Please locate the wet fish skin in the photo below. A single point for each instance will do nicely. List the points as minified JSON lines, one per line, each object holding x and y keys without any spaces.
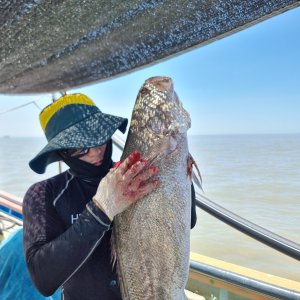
{"x":152,"y":237}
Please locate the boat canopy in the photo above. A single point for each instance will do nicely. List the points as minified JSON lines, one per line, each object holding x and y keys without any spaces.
{"x":50,"y":46}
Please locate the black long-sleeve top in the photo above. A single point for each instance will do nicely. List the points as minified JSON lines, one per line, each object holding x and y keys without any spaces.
{"x":67,"y":239}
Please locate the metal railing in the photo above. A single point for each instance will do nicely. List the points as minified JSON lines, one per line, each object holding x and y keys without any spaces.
{"x":259,"y":233}
{"x":258,"y":286}
{"x":11,"y":206}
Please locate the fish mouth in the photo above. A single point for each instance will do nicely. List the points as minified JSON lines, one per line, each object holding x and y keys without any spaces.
{"x":162,"y":83}
{"x":158,"y":110}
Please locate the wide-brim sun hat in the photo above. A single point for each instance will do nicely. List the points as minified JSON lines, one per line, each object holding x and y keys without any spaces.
{"x":73,"y":121}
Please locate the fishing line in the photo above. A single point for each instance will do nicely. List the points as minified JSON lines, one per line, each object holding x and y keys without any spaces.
{"x":31,"y":102}
{"x":20,"y":106}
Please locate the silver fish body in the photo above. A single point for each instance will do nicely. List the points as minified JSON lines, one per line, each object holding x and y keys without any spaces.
{"x":152,"y":237}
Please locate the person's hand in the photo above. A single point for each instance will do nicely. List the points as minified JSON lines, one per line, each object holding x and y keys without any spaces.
{"x":125,"y":184}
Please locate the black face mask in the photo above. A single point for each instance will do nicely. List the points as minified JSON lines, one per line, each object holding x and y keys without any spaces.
{"x":87,"y":171}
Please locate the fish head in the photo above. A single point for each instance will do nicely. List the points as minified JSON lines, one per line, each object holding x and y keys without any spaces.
{"x":158,"y":111}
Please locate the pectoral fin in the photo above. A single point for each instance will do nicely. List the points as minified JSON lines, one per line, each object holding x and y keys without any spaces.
{"x":195,"y":178}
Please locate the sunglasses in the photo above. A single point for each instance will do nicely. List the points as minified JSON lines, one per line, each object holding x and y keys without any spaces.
{"x":76,"y":152}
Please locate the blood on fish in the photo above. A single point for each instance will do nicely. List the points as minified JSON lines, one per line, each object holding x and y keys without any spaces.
{"x":154,"y":169}
{"x":135,"y":156}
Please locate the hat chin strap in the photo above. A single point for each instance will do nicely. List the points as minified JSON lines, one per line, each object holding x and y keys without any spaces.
{"x":87,"y":171}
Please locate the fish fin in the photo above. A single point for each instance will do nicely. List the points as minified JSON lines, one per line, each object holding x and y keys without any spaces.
{"x":162,"y":148}
{"x":113,"y":255}
{"x":195,"y":178}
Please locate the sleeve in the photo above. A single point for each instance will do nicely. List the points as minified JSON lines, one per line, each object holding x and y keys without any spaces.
{"x":52,"y":253}
{"x":193,"y":208}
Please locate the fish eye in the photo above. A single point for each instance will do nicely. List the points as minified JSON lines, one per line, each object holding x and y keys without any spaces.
{"x":144,"y":91}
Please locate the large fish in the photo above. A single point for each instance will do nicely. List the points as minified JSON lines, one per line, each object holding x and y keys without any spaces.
{"x":152,"y":237}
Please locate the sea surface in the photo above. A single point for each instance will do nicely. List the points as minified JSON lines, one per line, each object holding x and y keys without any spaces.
{"x":254,"y":176}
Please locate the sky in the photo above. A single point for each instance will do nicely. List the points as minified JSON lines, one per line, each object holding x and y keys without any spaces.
{"x":247,"y":83}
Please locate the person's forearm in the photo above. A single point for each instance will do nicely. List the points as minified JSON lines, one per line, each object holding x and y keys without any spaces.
{"x":52,"y":263}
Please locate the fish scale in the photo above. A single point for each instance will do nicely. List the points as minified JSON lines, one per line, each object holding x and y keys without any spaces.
{"x":152,"y":237}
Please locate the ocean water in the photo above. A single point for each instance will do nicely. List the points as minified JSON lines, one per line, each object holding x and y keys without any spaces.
{"x":255,"y":176}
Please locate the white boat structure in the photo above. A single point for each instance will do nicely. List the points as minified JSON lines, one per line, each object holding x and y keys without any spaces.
{"x":50,"y":46}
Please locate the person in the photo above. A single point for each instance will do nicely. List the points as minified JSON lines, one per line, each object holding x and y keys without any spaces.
{"x":68,"y":218}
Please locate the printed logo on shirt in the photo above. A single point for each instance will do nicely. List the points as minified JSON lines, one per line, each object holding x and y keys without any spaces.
{"x":74,"y":218}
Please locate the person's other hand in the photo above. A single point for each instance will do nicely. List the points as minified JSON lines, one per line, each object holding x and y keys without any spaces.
{"x":125,"y":184}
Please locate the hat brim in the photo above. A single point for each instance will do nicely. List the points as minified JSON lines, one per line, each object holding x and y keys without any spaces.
{"x":88,"y":133}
